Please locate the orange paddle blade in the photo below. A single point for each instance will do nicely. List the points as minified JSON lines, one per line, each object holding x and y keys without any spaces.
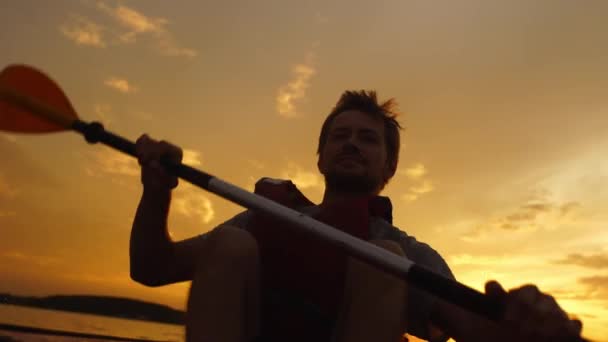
{"x":31,"y":102}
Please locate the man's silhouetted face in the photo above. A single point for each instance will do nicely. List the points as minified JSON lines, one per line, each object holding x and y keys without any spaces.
{"x":354,"y":157}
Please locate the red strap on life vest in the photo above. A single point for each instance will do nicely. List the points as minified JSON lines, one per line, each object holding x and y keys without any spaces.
{"x":305,"y":266}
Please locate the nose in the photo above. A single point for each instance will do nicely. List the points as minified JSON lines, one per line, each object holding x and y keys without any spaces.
{"x":350,"y":146}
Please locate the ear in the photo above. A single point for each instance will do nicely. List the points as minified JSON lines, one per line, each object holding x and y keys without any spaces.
{"x":390,"y":170}
{"x":319,"y":164}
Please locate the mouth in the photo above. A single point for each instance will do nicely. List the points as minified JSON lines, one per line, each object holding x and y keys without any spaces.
{"x":350,"y":159}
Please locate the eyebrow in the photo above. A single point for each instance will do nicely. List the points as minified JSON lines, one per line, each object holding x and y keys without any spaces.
{"x":369,"y":131}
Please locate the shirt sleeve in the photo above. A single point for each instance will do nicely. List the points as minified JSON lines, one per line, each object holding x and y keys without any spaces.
{"x":420,"y":302}
{"x":240,"y":220}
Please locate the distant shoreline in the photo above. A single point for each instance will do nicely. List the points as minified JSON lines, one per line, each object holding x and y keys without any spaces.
{"x":124,"y":308}
{"x":53,"y":332}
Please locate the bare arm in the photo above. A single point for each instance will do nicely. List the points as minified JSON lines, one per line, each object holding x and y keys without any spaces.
{"x":155,"y":259}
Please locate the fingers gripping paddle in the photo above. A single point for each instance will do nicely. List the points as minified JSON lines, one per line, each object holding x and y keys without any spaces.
{"x":30,"y":102}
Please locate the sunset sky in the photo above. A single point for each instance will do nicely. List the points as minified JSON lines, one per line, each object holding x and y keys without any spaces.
{"x":503,"y":167}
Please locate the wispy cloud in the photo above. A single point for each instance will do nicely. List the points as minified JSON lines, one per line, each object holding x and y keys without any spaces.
{"x":569,"y":207}
{"x":83,"y":31}
{"x":137,"y":23}
{"x":193,"y":203}
{"x":418,"y":174}
{"x":537,"y":212}
{"x":131,"y":25}
{"x":107,"y":161}
{"x":144,"y":116}
{"x":38,"y":260}
{"x":120,"y":84}
{"x":295,"y":90}
{"x":597,"y":286}
{"x":302,"y":178}
{"x":191,"y":157}
{"x":102,"y":111}
{"x":418,"y":190}
{"x":414,"y":172}
{"x":255,"y":163}
{"x":595,"y":261}
{"x":485,"y":260}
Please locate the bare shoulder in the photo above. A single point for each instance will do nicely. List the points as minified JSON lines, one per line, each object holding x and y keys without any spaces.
{"x":186,"y":252}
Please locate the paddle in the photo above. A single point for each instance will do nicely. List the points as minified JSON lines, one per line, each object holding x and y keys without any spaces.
{"x":30,"y":102}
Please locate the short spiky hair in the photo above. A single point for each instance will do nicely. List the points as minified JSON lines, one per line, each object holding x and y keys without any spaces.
{"x":367,"y":101}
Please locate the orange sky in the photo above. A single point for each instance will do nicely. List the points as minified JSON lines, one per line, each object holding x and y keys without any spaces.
{"x":503,"y":167}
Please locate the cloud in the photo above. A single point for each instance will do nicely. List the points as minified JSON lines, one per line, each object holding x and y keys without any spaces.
{"x":38,"y":260}
{"x":191,"y":157}
{"x":425,"y":187}
{"x":416,"y":191}
{"x":422,"y":185}
{"x":303,"y":179}
{"x":137,"y":23}
{"x":102,"y":112}
{"x":538,"y":212}
{"x":144,"y":116}
{"x":108,"y":161}
{"x":597,"y":286}
{"x":569,"y":207}
{"x":191,"y":202}
{"x":528,"y":212}
{"x":255,"y":163}
{"x":415,"y":172}
{"x":83,"y":31}
{"x":168,"y":47}
{"x":484,"y":260}
{"x":134,"y":20}
{"x":296,"y":88}
{"x":596,"y":261}
{"x":120,"y":84}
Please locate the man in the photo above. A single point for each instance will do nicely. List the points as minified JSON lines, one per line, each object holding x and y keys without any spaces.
{"x":358,"y":155}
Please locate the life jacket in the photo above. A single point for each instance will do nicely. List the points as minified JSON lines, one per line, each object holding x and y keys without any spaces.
{"x":302,"y":276}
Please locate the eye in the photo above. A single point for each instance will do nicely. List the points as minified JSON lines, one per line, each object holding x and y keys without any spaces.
{"x":369,"y":138}
{"x":339,"y":135}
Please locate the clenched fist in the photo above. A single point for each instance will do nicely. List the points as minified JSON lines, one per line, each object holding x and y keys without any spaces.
{"x":149,"y":154}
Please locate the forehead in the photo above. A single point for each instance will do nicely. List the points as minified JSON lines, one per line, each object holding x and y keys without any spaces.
{"x":357,"y":120}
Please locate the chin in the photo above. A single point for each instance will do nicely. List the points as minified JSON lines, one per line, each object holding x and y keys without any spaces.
{"x":349,"y":173}
{"x":350,"y":182}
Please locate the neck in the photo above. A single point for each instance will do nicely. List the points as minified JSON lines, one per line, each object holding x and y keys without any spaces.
{"x":331,"y":197}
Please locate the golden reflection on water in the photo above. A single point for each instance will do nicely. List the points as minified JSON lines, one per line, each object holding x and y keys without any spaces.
{"x":83,"y":323}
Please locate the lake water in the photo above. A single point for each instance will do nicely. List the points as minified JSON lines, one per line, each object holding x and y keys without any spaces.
{"x":82,"y":323}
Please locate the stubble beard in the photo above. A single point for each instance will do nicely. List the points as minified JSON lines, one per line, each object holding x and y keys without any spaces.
{"x":350,"y":184}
